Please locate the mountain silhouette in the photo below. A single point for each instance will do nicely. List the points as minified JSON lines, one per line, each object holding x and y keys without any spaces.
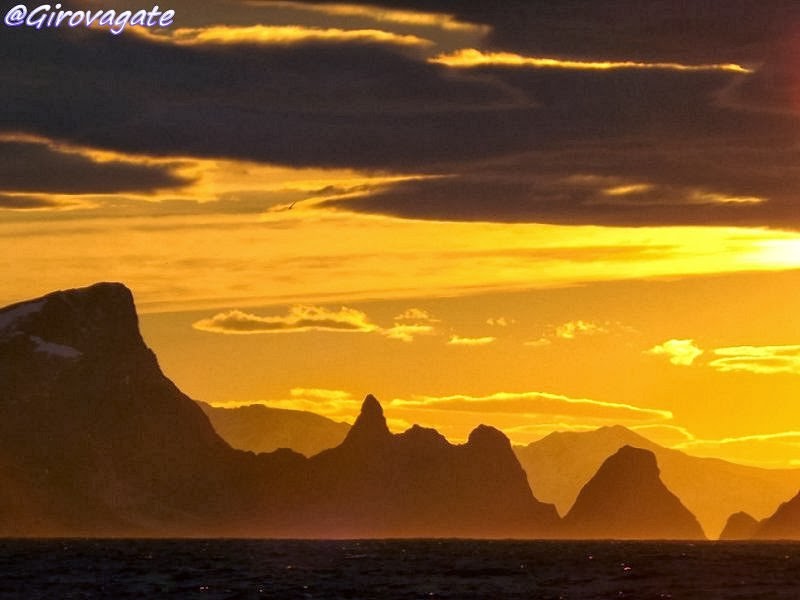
{"x":260,"y":428}
{"x":418,"y":484}
{"x":560,"y":464}
{"x":783,"y":524}
{"x":96,"y":441}
{"x":91,"y":426}
{"x":626,"y":499}
{"x":740,"y":526}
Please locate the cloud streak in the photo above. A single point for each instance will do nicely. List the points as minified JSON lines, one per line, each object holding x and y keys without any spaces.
{"x":467,"y":58}
{"x":457,"y":340}
{"x":304,"y":318}
{"x":534,"y":404}
{"x":761,"y":360}
{"x":383,"y":14}
{"x":572,"y":329}
{"x":285,"y":36}
{"x":299,"y":319}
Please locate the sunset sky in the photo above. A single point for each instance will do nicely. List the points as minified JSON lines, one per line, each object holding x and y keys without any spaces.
{"x":532,"y":214}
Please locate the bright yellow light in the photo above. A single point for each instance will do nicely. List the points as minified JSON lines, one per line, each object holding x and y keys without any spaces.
{"x":382,"y":14}
{"x":624,"y":190}
{"x":778,"y":253}
{"x":280,"y":35}
{"x":470,"y":57}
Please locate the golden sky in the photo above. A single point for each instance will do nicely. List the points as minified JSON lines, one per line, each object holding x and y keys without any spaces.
{"x":316,"y":201}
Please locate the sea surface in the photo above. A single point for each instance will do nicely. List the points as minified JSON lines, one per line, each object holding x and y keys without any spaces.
{"x":228,"y":569}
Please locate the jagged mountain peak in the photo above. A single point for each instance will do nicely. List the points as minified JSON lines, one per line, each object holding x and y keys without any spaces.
{"x":371,"y":408}
{"x":423,"y":437}
{"x":95,"y":319}
{"x":370,"y":426}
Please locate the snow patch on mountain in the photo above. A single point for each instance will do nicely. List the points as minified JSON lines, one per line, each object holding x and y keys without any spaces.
{"x":9,"y":317}
{"x":53,"y":349}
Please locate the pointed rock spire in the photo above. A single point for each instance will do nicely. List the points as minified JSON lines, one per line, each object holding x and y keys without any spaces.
{"x":370,"y":426}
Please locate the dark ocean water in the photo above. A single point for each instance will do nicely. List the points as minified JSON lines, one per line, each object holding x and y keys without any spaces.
{"x":216,"y":569}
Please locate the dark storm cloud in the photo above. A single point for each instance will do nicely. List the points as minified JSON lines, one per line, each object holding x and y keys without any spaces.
{"x":629,"y":147}
{"x":311,"y":104}
{"x":514,"y":144}
{"x":632,"y":184}
{"x":36,"y":167}
{"x":693,"y":31}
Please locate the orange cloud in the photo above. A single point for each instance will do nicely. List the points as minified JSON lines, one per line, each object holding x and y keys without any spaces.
{"x":466,"y":58}
{"x":778,"y":449}
{"x":303,"y":318}
{"x":457,"y":340}
{"x":762,"y":360}
{"x":416,"y":314}
{"x":572,"y":329}
{"x":282,"y":35}
{"x":406,"y":332}
{"x":383,"y":14}
{"x":321,"y":393}
{"x":679,"y":352}
{"x":534,"y":404}
{"x":578,"y":328}
{"x":300,"y":318}
{"x":664,"y":434}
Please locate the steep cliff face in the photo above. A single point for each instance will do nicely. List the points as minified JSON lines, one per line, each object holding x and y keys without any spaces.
{"x":95,"y":440}
{"x":89,"y":422}
{"x":626,"y":499}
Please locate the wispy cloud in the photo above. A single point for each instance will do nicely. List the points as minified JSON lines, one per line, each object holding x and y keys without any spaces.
{"x":416,"y":314}
{"x":787,"y":437}
{"x":573,"y":329}
{"x":321,"y":393}
{"x":282,"y":35}
{"x":302,"y":318}
{"x":534,"y":403}
{"x":763,"y":360}
{"x":778,"y":449}
{"x":299,"y":318}
{"x":664,"y":433}
{"x":457,"y":340}
{"x":383,"y":14}
{"x":679,"y":352}
{"x":500,"y":321}
{"x":406,"y":332}
{"x":470,"y":58}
